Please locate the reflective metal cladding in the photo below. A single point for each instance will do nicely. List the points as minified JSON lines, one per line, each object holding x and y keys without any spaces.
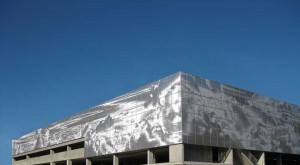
{"x":147,"y":117}
{"x":180,"y":108}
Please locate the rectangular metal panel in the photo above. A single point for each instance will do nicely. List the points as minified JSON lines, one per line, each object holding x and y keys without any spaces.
{"x":227,"y":116}
{"x":145,"y":118}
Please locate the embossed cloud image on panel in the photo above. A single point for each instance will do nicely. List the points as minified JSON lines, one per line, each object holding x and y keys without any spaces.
{"x":147,"y":117}
{"x":180,"y":108}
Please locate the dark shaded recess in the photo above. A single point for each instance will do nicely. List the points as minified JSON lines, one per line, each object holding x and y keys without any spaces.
{"x":41,"y":153}
{"x":161,"y":155}
{"x":77,"y":145}
{"x":61,"y":163}
{"x":60,"y":149}
{"x":103,"y":160}
{"x":215,"y":155}
{"x":20,"y":157}
{"x":197,"y":153}
{"x":287,"y":159}
{"x":134,"y":158}
{"x":78,"y":162}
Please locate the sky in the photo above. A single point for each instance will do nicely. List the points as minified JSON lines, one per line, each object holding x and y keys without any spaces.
{"x":58,"y":58}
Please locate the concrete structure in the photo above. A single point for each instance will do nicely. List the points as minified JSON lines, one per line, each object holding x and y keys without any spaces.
{"x":180,"y":119}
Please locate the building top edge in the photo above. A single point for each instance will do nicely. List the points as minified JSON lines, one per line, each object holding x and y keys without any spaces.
{"x":179,"y":75}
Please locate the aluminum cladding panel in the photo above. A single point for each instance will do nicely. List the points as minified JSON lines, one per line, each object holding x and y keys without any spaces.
{"x":147,"y":117}
{"x":214,"y":114}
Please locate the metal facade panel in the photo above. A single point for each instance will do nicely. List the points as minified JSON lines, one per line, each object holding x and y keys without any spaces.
{"x":220,"y":115}
{"x":147,"y":117}
{"x":180,"y":108}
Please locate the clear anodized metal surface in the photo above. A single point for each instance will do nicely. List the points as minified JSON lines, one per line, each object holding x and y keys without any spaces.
{"x":180,"y":108}
{"x":144,"y":118}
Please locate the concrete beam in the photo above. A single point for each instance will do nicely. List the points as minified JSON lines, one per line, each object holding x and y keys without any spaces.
{"x":115,"y":160}
{"x":61,"y":156}
{"x":150,"y":157}
{"x":176,"y":153}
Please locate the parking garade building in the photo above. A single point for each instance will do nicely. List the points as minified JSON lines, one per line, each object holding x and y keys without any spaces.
{"x":180,"y":119}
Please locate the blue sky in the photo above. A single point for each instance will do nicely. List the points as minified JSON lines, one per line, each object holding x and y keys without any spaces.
{"x":60,"y":57}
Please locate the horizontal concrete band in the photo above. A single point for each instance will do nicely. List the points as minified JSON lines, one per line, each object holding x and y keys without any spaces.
{"x":51,"y":147}
{"x":55,"y":157}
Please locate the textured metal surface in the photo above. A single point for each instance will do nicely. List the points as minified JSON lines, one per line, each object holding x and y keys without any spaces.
{"x":215,"y":114}
{"x":147,"y":117}
{"x":180,"y":108}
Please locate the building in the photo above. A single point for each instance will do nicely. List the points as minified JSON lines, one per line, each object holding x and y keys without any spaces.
{"x":180,"y":119}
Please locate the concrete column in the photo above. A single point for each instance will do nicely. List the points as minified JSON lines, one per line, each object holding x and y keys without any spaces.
{"x":69,"y":148}
{"x":150,"y":157}
{"x":27,"y":157}
{"x":88,"y":162}
{"x":69,"y":162}
{"x":261,"y":160}
{"x":246,"y":160}
{"x":52,"y":163}
{"x":51,"y":152}
{"x":115,"y":160}
{"x":279,"y":160}
{"x":229,"y":158}
{"x":176,"y":153}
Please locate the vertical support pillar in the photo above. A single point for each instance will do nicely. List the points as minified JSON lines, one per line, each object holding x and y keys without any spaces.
{"x":261,"y":160}
{"x":279,"y":160}
{"x":27,"y":157}
{"x":176,"y":153}
{"x":52,"y":152}
{"x":69,"y":162}
{"x":150,"y":157}
{"x":115,"y":160}
{"x":69,"y":148}
{"x":88,"y":162}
